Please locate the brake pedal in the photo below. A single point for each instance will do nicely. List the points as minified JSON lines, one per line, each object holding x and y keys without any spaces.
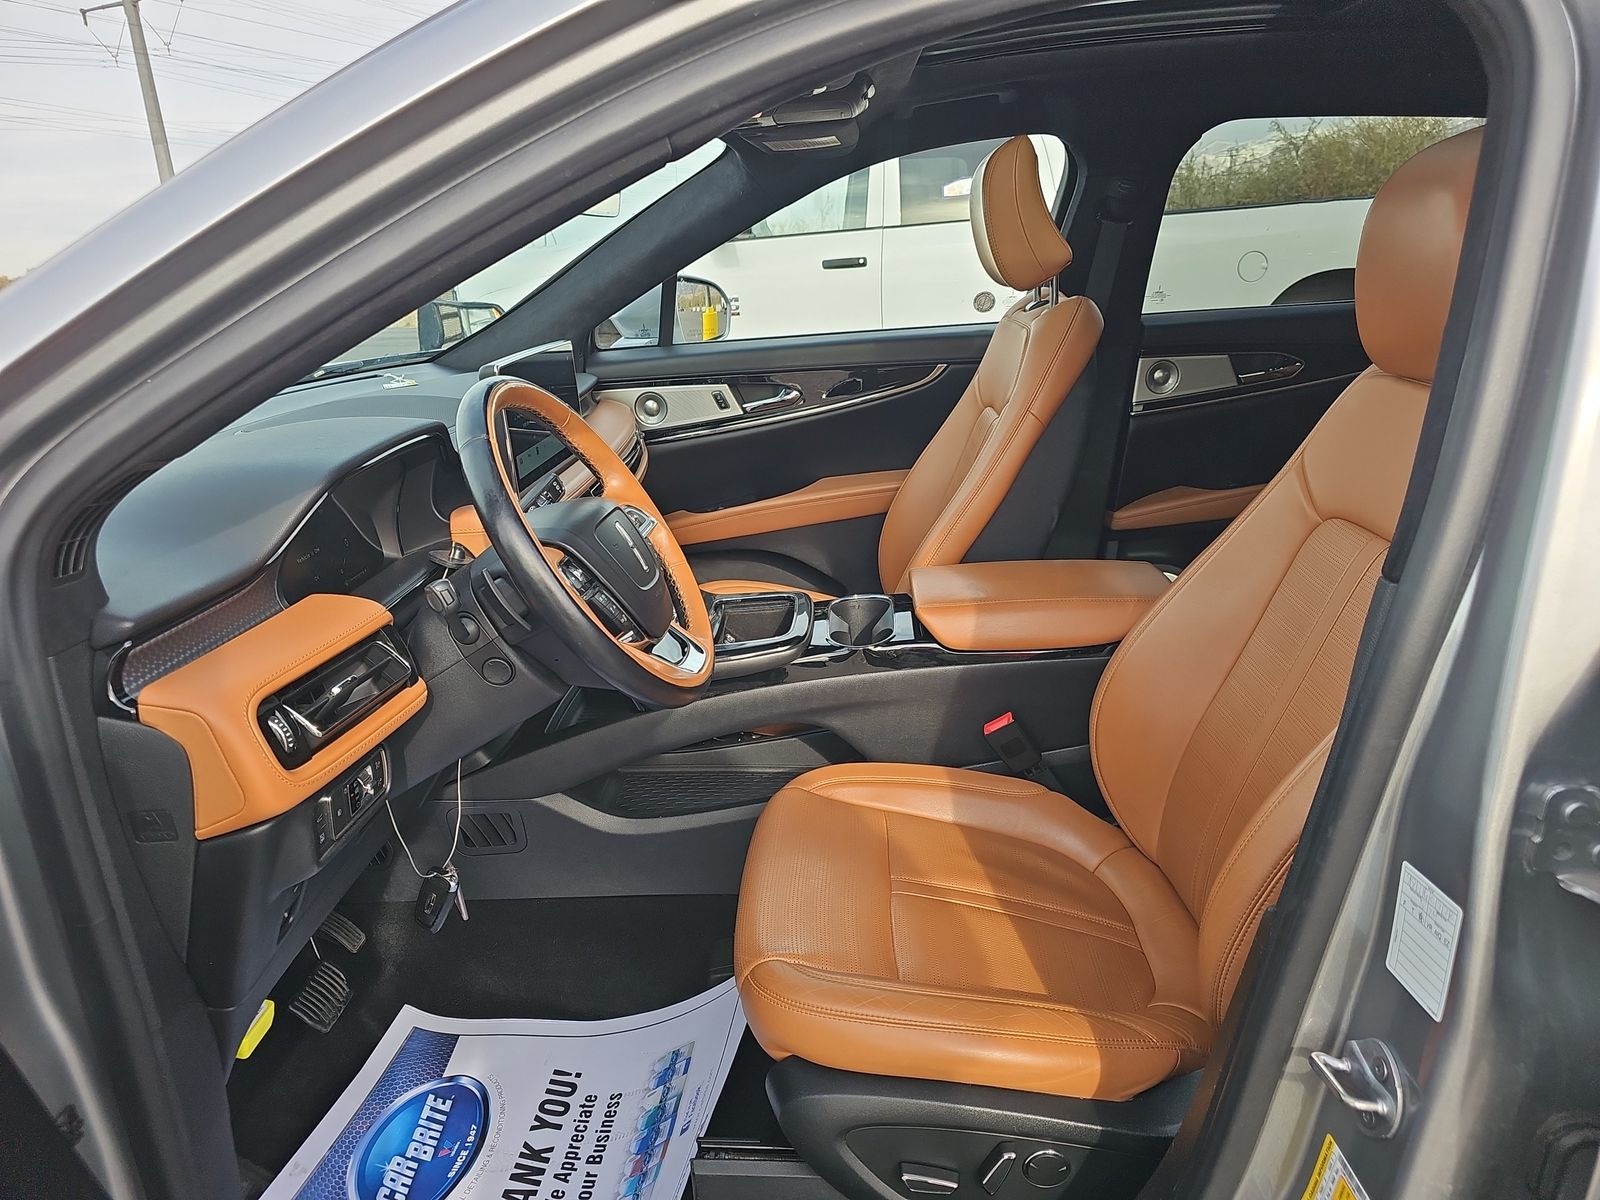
{"x":343,"y":932}
{"x":321,"y":1000}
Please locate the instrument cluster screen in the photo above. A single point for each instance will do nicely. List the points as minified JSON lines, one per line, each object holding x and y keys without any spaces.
{"x":328,"y":554}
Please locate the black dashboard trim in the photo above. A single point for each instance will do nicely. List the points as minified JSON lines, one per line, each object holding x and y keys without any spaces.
{"x":156,"y":581}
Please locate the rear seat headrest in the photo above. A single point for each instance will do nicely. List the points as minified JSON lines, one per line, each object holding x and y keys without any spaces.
{"x":1017,"y":237}
{"x":1410,"y":248}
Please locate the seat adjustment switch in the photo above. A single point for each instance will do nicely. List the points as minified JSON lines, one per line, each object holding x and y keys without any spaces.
{"x":997,"y":1167}
{"x":919,"y":1179}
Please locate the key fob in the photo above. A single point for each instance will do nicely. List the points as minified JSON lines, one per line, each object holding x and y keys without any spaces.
{"x":434,"y":902}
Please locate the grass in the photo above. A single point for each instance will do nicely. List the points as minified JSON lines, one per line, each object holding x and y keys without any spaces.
{"x":1325,"y":160}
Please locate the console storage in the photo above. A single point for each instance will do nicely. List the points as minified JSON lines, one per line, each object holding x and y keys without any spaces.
{"x":1055,"y":604}
{"x":759,"y":631}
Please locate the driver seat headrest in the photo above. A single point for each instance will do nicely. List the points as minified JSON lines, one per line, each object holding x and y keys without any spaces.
{"x":1017,"y":238}
{"x":1410,"y":248}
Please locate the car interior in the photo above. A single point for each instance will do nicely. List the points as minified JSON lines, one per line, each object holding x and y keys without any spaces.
{"x":960,"y":690}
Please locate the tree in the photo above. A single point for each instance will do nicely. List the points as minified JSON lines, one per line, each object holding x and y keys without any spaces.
{"x":1325,"y":160}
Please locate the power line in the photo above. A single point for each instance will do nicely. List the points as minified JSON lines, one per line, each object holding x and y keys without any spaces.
{"x":147,"y":80}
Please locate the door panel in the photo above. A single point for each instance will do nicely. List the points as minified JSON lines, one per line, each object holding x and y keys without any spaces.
{"x":799,"y":410}
{"x":1251,"y":384}
{"x":869,"y":402}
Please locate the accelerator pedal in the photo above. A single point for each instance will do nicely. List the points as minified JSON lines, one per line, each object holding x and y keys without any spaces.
{"x":342,"y":932}
{"x":322,"y":997}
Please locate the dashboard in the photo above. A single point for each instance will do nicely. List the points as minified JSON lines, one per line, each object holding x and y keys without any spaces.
{"x":272,"y":674}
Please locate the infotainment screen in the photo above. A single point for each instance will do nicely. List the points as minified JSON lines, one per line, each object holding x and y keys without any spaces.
{"x":550,"y":366}
{"x":535,"y":451}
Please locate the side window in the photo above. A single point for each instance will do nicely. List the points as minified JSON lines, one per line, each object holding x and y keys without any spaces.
{"x":886,"y":247}
{"x":1265,"y":212}
{"x":832,"y":208}
{"x":936,"y":185}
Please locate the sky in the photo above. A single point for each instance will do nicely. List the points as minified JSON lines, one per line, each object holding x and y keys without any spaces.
{"x":74,"y":144}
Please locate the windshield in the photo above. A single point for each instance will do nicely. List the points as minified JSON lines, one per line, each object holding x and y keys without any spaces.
{"x":482,"y":299}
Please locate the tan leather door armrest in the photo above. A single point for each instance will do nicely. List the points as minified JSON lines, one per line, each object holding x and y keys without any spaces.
{"x":837,"y":498}
{"x":1051,"y":605}
{"x":1184,"y":506}
{"x":209,"y":707}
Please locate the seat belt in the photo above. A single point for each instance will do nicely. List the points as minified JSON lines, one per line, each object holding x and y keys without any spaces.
{"x":1107,"y":254}
{"x":1102,"y":437}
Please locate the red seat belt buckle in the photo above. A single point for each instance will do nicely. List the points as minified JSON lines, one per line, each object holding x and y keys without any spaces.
{"x":1017,"y":750}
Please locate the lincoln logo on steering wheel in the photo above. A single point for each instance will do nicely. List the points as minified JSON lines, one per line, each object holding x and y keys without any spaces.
{"x":621,"y":527}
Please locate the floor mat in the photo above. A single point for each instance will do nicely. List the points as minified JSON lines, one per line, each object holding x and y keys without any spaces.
{"x":525,"y":1107}
{"x":572,"y":959}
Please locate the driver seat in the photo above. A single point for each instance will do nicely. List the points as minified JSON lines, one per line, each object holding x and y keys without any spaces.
{"x":957,"y":491}
{"x":938,"y":924}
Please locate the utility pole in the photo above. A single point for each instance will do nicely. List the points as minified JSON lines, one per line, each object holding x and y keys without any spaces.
{"x":147,"y":81}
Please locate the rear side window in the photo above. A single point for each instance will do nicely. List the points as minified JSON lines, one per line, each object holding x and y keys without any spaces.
{"x":1265,"y":212}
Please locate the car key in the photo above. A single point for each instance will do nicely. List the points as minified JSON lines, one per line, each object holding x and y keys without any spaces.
{"x":455,"y":890}
{"x":434,"y":901}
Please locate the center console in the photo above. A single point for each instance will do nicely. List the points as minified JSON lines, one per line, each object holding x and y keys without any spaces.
{"x":965,"y":611}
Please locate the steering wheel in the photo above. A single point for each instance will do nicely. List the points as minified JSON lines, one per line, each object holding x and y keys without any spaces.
{"x":603,"y":571}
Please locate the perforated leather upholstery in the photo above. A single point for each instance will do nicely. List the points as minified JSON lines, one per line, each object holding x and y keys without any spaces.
{"x":951,"y":925}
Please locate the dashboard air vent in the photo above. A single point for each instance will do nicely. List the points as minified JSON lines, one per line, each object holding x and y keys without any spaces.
{"x":314,"y":710}
{"x":72,"y":551}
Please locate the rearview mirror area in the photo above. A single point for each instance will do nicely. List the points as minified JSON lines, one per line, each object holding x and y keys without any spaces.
{"x":442,"y":323}
{"x":701,"y":312}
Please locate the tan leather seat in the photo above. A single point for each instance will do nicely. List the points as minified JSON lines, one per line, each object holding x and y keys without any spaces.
{"x":945,"y":924}
{"x":1038,"y":350}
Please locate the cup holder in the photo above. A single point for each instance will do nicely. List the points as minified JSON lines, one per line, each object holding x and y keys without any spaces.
{"x":861,"y":620}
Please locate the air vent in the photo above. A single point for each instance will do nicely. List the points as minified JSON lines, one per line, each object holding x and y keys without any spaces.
{"x":315,"y":710}
{"x":633,"y":455}
{"x":72,"y":551}
{"x":492,"y":832}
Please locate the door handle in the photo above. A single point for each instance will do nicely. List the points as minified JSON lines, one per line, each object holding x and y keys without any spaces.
{"x":1265,"y":368}
{"x":843,"y":264}
{"x":787,"y":396}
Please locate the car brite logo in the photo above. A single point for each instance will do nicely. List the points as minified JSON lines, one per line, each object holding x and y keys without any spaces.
{"x":422,"y":1143}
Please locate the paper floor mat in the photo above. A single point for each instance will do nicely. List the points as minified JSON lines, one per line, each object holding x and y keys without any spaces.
{"x":524,"y":1109}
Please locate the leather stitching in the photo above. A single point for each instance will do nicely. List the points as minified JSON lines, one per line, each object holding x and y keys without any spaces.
{"x":988,"y":603}
{"x":1027,"y":411}
{"x":1283,"y":696}
{"x":1024,"y":789}
{"x":1207,"y":499}
{"x":957,"y":900}
{"x":1244,"y":932}
{"x":1317,"y":757}
{"x":1144,"y":1042}
{"x":1290,"y":469}
{"x":1055,"y":908}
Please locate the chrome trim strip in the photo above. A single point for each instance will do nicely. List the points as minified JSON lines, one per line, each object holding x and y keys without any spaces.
{"x":323,"y":499}
{"x":1175,"y":405}
{"x":793,"y":414}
